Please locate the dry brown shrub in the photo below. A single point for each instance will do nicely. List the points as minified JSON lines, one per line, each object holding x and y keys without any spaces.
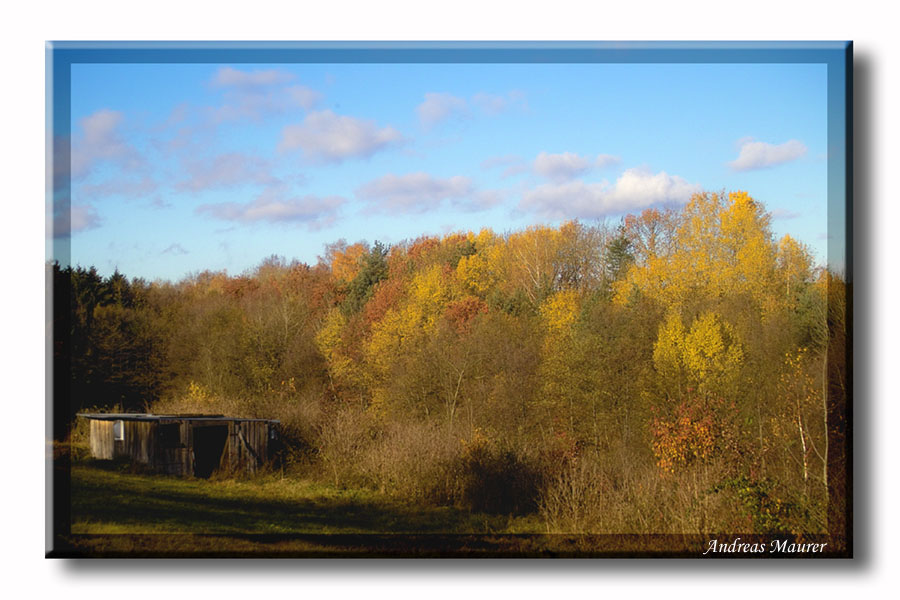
{"x":343,"y":443}
{"x":415,"y":460}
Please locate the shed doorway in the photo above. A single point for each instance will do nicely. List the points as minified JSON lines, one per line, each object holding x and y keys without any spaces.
{"x":209,"y":443}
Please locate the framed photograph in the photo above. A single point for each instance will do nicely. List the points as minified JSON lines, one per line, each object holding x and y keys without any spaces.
{"x":442,"y":299}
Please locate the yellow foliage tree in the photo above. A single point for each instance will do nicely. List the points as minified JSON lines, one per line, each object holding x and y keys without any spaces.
{"x":343,"y":370}
{"x":712,"y":354}
{"x":482,"y":271}
{"x":562,"y":379}
{"x":795,"y":266}
{"x":345,"y":262}
{"x":403,"y":330}
{"x":721,"y":247}
{"x":707,"y":357}
{"x":669,"y":349}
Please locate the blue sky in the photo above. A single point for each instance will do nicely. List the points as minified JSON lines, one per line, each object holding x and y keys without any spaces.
{"x":178,"y":168}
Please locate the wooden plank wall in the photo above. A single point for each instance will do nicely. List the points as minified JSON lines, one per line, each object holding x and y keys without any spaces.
{"x":247,"y":447}
{"x":138,"y":444}
{"x":102,"y":439}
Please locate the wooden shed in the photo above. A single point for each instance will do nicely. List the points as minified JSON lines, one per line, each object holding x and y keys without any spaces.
{"x":192,"y":445}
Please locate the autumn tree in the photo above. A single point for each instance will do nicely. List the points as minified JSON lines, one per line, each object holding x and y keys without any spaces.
{"x":373,"y":268}
{"x":716,"y":247}
{"x":344,"y":260}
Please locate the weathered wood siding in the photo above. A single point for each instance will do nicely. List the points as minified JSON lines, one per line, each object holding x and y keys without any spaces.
{"x":102,"y":439}
{"x":167,"y":445}
{"x":248,"y":446}
{"x":138,"y":443}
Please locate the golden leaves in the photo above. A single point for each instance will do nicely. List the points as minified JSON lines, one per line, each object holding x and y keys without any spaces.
{"x":715,"y":247}
{"x":345,"y":263}
{"x":708,"y":356}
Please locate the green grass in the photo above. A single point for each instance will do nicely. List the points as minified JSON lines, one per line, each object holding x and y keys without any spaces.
{"x":118,"y":513}
{"x":109,"y":500}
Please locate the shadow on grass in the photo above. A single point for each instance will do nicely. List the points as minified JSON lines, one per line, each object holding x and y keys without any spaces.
{"x":107,"y":500}
{"x":115,"y":513}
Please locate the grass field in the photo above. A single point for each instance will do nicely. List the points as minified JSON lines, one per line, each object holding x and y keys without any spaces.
{"x":115,"y":512}
{"x":109,"y":500}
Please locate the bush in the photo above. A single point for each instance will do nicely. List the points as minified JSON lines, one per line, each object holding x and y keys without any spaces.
{"x":613,"y":492}
{"x":302,"y":418}
{"x":496,"y":480}
{"x":343,"y":445}
{"x":414,"y":460}
{"x":420,"y":461}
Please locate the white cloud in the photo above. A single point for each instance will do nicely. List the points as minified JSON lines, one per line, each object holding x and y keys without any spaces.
{"x":560,"y":167}
{"x":303,"y":96}
{"x":101,"y":140}
{"x":635,"y":189}
{"x":759,"y":155}
{"x":326,"y":137}
{"x":255,"y":103}
{"x":256,"y":94}
{"x":71,"y":218}
{"x":175,"y":249}
{"x":606,"y":160}
{"x":125,"y":187}
{"x":481,"y":200}
{"x":783,"y":213}
{"x":493,"y":104}
{"x":273,"y":207}
{"x":568,"y":165}
{"x":511,"y":164}
{"x":413,"y":193}
{"x":225,"y":170}
{"x":438,"y":107}
{"x":83,"y":217}
{"x":229,"y":77}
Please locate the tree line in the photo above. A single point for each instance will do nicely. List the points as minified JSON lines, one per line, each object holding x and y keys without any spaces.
{"x":679,"y":371}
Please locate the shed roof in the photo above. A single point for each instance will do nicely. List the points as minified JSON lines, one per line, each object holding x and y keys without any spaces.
{"x":174,"y":417}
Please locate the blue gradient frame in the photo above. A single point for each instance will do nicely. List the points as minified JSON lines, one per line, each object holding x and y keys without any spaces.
{"x":60,"y":56}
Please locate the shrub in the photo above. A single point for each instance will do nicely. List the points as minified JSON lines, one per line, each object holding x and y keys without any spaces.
{"x":496,"y":479}
{"x":427,"y":462}
{"x":343,"y":445}
{"x":761,"y":504}
{"x":413,"y":460}
{"x":572,"y":501}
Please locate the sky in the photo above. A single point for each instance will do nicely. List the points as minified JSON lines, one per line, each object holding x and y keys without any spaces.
{"x":180,"y":168}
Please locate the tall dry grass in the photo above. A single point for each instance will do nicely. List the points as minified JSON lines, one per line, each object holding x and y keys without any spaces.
{"x":427,"y":462}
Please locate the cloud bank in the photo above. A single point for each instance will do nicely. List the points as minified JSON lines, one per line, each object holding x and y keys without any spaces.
{"x":254,"y":95}
{"x":329,"y":138}
{"x":439,"y":107}
{"x":413,"y":193}
{"x":568,"y":165}
{"x":273,"y":207}
{"x":230,"y":77}
{"x":760,"y":155}
{"x":101,"y":140}
{"x":69,"y":218}
{"x":635,"y":189}
{"x":227,"y":170}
